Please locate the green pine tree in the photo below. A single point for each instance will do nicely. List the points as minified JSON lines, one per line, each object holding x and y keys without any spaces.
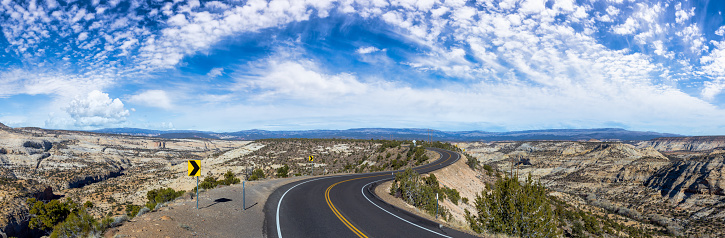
{"x":514,"y":208}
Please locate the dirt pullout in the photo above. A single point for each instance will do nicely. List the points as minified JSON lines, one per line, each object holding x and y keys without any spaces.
{"x":220,"y":214}
{"x":458,"y":176}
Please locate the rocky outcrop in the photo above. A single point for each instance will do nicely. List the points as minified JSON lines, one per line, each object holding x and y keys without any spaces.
{"x":37,"y":147}
{"x":693,"y":143}
{"x":704,"y":175}
{"x":79,"y":182}
{"x":583,"y":162}
{"x":3,"y":126}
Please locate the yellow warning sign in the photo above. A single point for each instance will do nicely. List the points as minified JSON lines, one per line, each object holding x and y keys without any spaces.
{"x":194,"y":168}
{"x":311,"y":158}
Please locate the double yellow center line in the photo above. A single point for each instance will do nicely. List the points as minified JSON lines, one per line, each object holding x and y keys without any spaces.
{"x":341,"y":217}
{"x":337,"y":213}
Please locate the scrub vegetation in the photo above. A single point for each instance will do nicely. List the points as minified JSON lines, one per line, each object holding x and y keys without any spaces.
{"x":420,"y":191}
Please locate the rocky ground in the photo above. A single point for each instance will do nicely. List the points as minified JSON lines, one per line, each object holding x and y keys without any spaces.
{"x":108,"y":170}
{"x":681,"y":191}
{"x":115,"y":170}
{"x":221,"y":213}
{"x":672,"y":184}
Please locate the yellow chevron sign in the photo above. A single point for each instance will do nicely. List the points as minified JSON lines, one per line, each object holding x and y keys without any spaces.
{"x":194,"y":168}
{"x":311,"y":158}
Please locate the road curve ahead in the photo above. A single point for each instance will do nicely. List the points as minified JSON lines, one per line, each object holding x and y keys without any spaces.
{"x":344,"y":206}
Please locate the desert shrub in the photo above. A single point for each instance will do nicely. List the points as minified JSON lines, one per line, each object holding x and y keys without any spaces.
{"x":419,"y":191}
{"x":256,"y":175}
{"x":110,"y":222}
{"x":282,"y":172}
{"x":577,"y":230}
{"x":472,"y":162}
{"x":45,"y":216}
{"x":488,"y":168}
{"x":161,"y":195}
{"x":229,"y":179}
{"x":76,"y":225}
{"x":132,"y":210}
{"x":67,"y":218}
{"x":389,"y":144}
{"x":452,"y":195}
{"x":514,"y":208}
{"x":212,"y":182}
{"x":208,"y":183}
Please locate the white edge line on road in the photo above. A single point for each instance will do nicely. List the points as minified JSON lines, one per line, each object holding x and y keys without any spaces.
{"x":279,"y":231}
{"x":366,"y":197}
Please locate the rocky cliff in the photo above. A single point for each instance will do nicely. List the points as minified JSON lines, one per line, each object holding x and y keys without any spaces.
{"x":693,"y":143}
{"x":700,"y":175}
{"x":574,"y":162}
{"x":685,"y":187}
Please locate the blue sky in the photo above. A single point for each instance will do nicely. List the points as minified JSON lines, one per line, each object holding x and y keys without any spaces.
{"x":325,"y":64}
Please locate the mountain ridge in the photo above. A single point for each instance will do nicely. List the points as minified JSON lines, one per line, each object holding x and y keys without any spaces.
{"x":402,"y":133}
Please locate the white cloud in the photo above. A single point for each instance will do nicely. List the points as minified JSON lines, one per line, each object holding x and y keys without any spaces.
{"x":720,"y":31}
{"x":660,"y":50}
{"x":96,"y":110}
{"x":713,"y":88}
{"x":197,"y":31}
{"x":367,"y":50}
{"x":691,"y":35}
{"x":83,"y":36}
{"x":34,"y":82}
{"x":292,"y":94}
{"x":301,"y":80}
{"x":612,"y":11}
{"x":215,"y":72}
{"x":713,"y":67}
{"x":153,"y":98}
{"x":683,"y":15}
{"x":627,"y":28}
{"x":532,"y":6}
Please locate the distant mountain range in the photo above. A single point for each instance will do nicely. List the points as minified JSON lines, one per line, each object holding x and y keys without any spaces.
{"x":403,"y":134}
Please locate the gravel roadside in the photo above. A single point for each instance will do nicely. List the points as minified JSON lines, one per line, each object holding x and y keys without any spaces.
{"x":220,"y":214}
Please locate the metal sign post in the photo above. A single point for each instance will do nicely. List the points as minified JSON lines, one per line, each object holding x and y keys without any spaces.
{"x":436,"y":206}
{"x":311,"y":159}
{"x":244,"y":197}
{"x":195,"y":171}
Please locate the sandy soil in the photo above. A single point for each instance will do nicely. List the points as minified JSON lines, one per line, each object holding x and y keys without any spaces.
{"x":220,"y":214}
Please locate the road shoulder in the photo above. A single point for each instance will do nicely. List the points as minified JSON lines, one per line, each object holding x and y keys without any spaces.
{"x":220,"y":214}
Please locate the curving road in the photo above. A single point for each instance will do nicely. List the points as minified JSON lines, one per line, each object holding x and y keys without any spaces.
{"x":344,"y":206}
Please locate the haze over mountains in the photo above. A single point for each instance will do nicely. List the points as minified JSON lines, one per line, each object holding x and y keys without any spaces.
{"x":404,"y":134}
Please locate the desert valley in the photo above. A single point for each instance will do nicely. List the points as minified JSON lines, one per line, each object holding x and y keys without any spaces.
{"x":658,"y":187}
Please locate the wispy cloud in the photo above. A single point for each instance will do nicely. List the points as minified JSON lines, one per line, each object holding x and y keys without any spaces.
{"x":511,"y":64}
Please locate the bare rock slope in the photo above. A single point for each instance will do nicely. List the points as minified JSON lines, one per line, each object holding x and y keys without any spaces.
{"x":681,"y":190}
{"x":694,"y":143}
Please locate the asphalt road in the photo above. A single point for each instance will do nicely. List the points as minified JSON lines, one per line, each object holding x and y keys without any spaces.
{"x":344,"y":206}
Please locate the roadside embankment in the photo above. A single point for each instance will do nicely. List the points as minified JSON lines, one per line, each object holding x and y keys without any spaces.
{"x":220,"y":214}
{"x":458,"y":176}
